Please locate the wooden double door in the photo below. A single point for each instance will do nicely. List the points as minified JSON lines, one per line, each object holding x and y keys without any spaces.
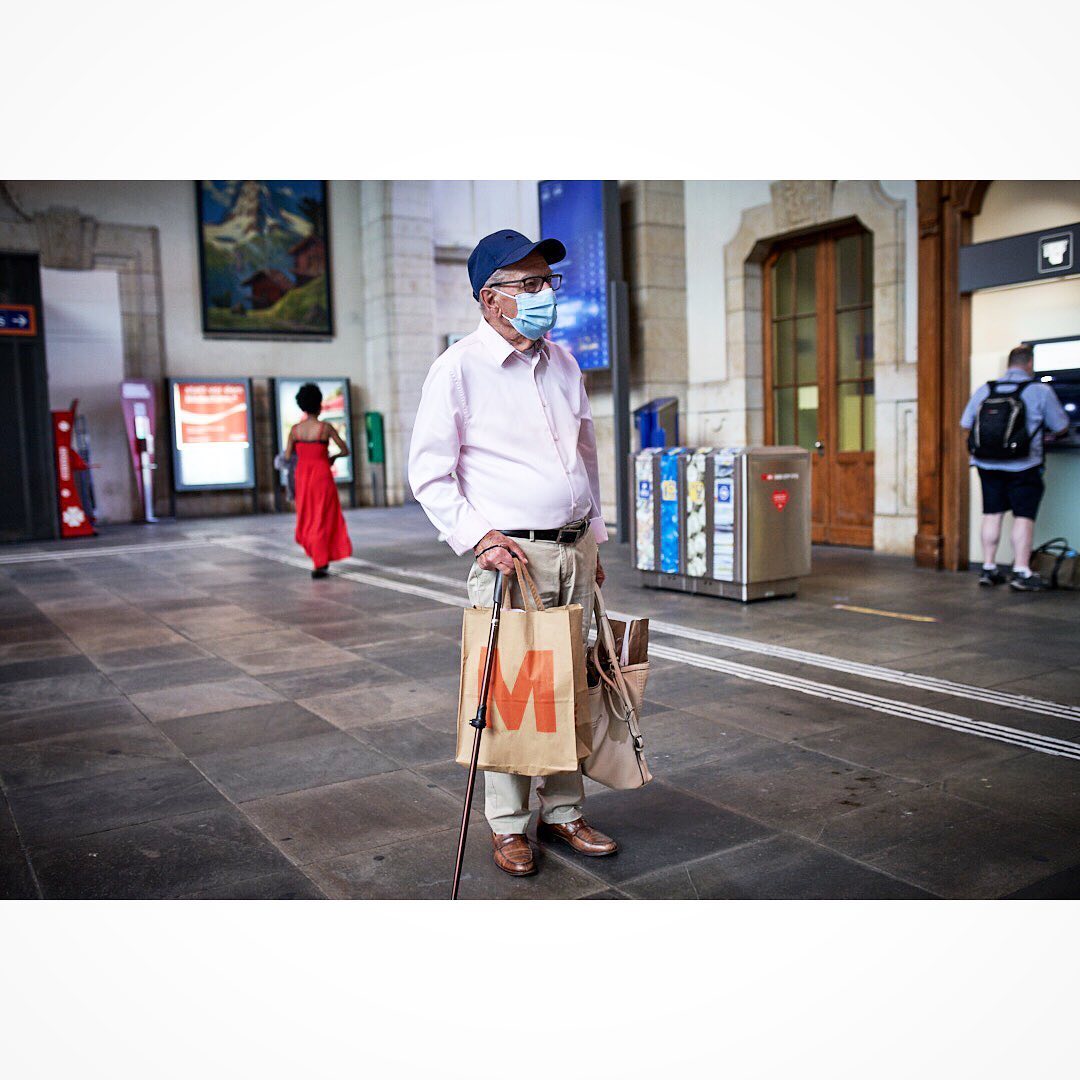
{"x":819,"y":373}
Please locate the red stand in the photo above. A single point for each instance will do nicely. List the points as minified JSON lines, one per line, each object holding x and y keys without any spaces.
{"x":74,"y":521}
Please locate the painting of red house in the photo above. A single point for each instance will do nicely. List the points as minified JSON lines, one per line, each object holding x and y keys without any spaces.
{"x":267,"y":288}
{"x":265,"y":258}
{"x":309,"y":258}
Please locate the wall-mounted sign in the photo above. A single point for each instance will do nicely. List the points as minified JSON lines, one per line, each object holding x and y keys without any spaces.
{"x":1055,"y":253}
{"x":1034,"y":256}
{"x":336,"y":411}
{"x":18,"y":320}
{"x":573,"y":211}
{"x":211,"y":434}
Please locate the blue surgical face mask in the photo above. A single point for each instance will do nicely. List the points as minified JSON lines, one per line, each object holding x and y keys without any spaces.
{"x":536,"y":313}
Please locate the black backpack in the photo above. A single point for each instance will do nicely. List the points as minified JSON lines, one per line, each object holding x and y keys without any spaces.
{"x":1000,"y":430}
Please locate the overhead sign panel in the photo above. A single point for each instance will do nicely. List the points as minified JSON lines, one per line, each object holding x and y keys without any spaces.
{"x":573,"y":211}
{"x":211,"y":434}
{"x":1034,"y":256}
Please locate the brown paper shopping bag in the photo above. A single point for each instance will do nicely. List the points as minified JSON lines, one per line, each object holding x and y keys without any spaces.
{"x":538,"y":716}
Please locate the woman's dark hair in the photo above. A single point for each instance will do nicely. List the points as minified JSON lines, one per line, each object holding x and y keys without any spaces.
{"x":309,"y":398}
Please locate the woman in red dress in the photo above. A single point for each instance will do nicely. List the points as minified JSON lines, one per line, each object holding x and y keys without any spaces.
{"x":320,"y":527}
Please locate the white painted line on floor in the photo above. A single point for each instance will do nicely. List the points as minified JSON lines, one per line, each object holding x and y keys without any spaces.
{"x":97,"y":552}
{"x":1027,"y":740}
{"x":1044,"y":744}
{"x":913,"y":680}
{"x":263,"y":547}
{"x":875,"y":672}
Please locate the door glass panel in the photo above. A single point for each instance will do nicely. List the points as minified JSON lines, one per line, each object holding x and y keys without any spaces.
{"x":868,"y":415}
{"x":808,"y":416}
{"x":848,"y":327}
{"x":783,"y":354}
{"x":866,"y":278}
{"x":806,"y":349}
{"x":866,"y":342}
{"x":849,"y":285}
{"x":782,"y":284}
{"x":849,"y":415}
{"x":805,"y":287}
{"x":784,"y":424}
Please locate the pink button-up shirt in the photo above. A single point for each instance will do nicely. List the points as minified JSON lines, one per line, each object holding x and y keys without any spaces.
{"x":504,"y":440}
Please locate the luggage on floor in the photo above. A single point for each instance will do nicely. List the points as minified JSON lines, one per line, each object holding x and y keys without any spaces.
{"x":1057,"y":563}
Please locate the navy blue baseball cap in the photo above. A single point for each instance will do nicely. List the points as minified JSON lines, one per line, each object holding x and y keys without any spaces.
{"x":504,"y":248}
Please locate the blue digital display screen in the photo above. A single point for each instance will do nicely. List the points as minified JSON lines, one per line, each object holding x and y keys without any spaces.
{"x":573,"y":211}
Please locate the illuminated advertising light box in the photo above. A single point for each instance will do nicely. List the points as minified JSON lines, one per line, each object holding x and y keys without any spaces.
{"x":211,"y":434}
{"x":573,"y":211}
{"x":336,"y":411}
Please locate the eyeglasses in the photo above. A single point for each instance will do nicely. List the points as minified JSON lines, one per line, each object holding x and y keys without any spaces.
{"x":533,"y":284}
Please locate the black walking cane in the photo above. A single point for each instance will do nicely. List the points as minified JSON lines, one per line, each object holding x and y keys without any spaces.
{"x":478,"y":722}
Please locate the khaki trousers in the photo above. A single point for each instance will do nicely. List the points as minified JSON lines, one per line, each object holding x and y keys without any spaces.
{"x":564,"y":574}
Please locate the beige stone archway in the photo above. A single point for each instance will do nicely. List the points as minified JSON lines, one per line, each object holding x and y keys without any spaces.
{"x":798,"y":206}
{"x":65,"y":239}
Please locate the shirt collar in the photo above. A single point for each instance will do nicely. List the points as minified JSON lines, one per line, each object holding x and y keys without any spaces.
{"x":1020,"y":374}
{"x":498,"y":347}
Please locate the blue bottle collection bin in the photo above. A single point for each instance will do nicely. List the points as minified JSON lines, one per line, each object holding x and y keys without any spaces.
{"x":657,"y":423}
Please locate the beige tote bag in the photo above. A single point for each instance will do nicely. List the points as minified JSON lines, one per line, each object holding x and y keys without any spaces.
{"x":618,"y":747}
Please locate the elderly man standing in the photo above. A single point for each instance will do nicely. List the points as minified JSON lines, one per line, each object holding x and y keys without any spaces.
{"x":503,"y":459}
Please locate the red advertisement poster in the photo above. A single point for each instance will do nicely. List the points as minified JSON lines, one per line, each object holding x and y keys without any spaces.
{"x":211,"y":412}
{"x":74,"y":521}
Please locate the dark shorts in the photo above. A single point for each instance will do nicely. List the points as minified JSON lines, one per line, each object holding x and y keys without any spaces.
{"x":1020,"y":492}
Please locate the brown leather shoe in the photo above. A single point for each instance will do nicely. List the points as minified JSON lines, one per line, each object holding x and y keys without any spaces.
{"x":513,"y":854}
{"x":580,"y":835}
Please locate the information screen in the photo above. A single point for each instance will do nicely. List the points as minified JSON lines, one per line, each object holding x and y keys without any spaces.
{"x":211,"y":434}
{"x":335,"y":412}
{"x":1063,"y":355}
{"x":573,"y":211}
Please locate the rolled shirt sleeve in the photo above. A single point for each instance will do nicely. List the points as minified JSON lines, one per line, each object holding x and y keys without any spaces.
{"x":587,"y":450}
{"x":433,"y":459}
{"x":1056,"y":419}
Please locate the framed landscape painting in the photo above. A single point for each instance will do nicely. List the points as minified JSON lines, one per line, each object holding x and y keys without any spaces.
{"x":264,"y":257}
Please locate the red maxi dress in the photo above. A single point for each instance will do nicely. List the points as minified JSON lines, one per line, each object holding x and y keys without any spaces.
{"x":320,"y":527}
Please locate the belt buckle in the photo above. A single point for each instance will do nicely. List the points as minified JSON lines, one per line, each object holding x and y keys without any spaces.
{"x":576,"y":530}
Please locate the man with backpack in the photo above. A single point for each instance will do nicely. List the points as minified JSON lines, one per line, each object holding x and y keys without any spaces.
{"x":1005,"y":420}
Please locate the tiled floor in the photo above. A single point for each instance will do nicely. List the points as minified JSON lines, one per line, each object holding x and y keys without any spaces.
{"x":193,"y":716}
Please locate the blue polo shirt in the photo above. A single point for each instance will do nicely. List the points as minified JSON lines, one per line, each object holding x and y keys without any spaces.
{"x":1044,"y":413}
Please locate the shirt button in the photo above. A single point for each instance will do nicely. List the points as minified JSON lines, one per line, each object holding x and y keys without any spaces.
{"x":555,"y":436}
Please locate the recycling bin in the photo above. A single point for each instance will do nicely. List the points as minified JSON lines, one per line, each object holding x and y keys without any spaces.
{"x":732,"y":522}
{"x":657,"y":423}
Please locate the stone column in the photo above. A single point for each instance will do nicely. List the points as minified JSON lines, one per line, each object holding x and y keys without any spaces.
{"x":654,"y":256}
{"x":654,"y":265}
{"x":399,"y":313}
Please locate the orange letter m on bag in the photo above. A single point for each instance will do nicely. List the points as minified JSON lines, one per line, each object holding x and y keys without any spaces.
{"x":535,"y":679}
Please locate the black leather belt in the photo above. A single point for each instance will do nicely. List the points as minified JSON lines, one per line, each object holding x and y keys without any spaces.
{"x":568,"y":534}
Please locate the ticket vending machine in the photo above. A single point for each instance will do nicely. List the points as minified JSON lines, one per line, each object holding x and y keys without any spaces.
{"x":733,"y":522}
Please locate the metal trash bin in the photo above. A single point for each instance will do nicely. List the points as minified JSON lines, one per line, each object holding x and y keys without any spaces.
{"x":733,"y":523}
